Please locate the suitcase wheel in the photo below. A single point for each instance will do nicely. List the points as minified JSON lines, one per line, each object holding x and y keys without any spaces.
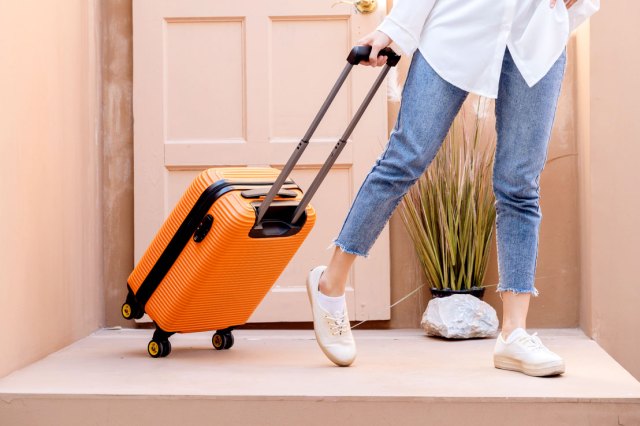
{"x":131,"y":309}
{"x":127,"y":311}
{"x":222,"y":340}
{"x":159,"y":349}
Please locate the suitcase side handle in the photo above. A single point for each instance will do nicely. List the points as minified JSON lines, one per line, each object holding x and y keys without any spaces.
{"x":357,"y":54}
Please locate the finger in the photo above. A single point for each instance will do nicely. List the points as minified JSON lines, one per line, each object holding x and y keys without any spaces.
{"x":382,"y":60}
{"x":570,"y":3}
{"x":373,"y":57}
{"x":364,"y":41}
{"x":553,"y":3}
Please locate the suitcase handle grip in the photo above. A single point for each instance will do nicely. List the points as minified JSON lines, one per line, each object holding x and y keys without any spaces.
{"x":362,"y":53}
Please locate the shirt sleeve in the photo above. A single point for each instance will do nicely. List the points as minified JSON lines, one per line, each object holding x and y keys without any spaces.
{"x":405,"y":22}
{"x":581,"y":11}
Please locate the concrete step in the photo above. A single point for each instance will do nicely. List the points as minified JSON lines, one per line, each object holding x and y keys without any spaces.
{"x":280,"y":377}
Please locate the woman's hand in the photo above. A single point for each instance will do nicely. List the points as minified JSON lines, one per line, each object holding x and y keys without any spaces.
{"x":378,"y":41}
{"x":567,"y":3}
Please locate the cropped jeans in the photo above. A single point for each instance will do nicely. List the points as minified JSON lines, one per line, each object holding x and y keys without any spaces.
{"x":524,"y":118}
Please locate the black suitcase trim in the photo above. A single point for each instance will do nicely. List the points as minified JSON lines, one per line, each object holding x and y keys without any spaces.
{"x":184,"y":234}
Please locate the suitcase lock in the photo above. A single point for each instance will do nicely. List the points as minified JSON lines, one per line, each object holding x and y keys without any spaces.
{"x":203,"y":229}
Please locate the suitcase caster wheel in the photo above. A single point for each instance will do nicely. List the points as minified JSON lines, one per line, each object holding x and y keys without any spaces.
{"x":159,"y":349}
{"x":229,"y":342}
{"x":166,"y":348}
{"x":131,"y":309}
{"x":218,"y":341}
{"x":222,"y":340}
{"x":127,"y":311}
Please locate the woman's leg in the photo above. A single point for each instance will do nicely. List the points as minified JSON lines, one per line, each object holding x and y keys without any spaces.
{"x":515,"y":307}
{"x":429,"y":105}
{"x":524,"y":119}
{"x":333,"y":281}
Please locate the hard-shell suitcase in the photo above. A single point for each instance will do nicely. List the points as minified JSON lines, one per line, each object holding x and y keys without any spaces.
{"x":229,"y":238}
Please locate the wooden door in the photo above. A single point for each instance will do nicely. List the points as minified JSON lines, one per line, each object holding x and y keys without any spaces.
{"x":237,"y":82}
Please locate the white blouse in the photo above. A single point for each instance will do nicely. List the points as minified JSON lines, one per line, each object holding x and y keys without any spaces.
{"x":464,"y":41}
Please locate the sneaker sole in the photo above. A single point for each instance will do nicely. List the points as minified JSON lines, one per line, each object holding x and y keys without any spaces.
{"x":327,"y":353}
{"x":548,"y":369}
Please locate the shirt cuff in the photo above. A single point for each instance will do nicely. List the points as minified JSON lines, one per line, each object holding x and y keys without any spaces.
{"x":401,"y":37}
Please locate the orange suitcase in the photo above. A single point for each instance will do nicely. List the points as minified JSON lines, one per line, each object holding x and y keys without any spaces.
{"x":228,"y":240}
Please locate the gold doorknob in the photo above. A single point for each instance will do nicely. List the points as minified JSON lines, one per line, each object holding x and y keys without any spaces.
{"x":362,"y":6}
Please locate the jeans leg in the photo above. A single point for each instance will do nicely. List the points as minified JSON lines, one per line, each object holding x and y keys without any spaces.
{"x":524,"y":119}
{"x":429,"y":105}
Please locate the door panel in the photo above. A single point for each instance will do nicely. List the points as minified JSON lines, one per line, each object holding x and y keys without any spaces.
{"x":300,"y":38}
{"x":230,"y":83}
{"x":205,"y":94}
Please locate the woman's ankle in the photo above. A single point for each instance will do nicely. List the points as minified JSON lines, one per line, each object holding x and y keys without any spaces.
{"x":507,"y":329}
{"x":329,"y":287}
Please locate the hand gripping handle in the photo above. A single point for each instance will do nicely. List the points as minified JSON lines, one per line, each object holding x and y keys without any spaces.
{"x":362,"y":53}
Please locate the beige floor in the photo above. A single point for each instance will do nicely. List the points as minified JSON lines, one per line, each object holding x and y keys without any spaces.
{"x":397,"y":367}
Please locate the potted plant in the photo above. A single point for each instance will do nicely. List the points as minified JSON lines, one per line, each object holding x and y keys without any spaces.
{"x":450,"y":211}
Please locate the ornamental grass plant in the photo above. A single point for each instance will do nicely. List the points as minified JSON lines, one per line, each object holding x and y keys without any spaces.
{"x":449,"y":213}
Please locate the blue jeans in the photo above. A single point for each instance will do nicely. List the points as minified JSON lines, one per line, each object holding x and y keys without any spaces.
{"x":524,"y":118}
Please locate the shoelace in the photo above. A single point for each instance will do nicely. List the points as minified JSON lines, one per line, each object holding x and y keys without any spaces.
{"x":337,"y":324}
{"x":532,"y":342}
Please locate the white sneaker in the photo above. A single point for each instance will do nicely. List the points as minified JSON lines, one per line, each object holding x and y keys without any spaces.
{"x":333,"y":332}
{"x":525,"y":353}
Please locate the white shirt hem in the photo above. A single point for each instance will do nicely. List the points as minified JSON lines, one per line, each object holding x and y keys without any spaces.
{"x":457,"y":84}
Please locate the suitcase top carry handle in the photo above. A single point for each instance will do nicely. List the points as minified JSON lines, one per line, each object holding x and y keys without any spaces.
{"x":357,"y":54}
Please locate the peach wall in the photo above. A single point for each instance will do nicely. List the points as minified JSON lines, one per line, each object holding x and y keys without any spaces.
{"x":50,"y":227}
{"x":611,"y":198}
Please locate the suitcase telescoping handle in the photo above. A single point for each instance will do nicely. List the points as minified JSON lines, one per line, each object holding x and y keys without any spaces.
{"x":357,"y":54}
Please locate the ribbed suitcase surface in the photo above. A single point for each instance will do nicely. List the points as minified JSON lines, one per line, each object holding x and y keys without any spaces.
{"x":218,"y":282}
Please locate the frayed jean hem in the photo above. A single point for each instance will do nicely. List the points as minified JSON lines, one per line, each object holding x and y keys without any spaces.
{"x":534,"y":292}
{"x":345,"y":249}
